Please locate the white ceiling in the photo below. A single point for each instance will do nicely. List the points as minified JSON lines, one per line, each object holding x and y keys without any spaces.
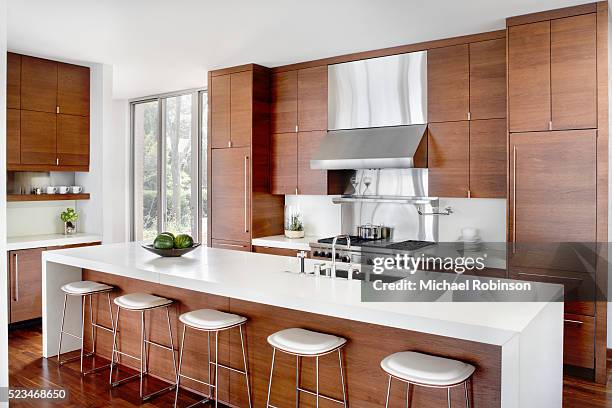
{"x":167,"y":45}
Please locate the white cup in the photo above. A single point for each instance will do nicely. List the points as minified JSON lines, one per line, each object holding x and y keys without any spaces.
{"x":76,"y":189}
{"x":51,"y":190}
{"x":63,"y":189}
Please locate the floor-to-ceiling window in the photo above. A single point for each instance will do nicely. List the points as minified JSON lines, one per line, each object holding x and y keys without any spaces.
{"x":169,"y":165}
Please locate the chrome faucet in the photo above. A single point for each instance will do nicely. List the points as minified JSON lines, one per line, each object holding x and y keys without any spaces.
{"x":348,"y":244}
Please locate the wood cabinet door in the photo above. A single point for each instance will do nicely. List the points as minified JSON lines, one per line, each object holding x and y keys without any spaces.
{"x":312,"y":98}
{"x":13,"y":136}
{"x":284,"y":102}
{"x":72,"y":140}
{"x":219,"y":105}
{"x":310,"y":181}
{"x":529,"y":77}
{"x":488,"y":158}
{"x":573,"y":72}
{"x":73,"y":89}
{"x":283,"y":158}
{"x":38,"y":84}
{"x":230,"y":195}
{"x":38,"y":138}
{"x":25,"y":267}
{"x":241,"y":116}
{"x":579,"y":340}
{"x":448,"y":159}
{"x":553,"y":186}
{"x":448,"y":92}
{"x":13,"y":81}
{"x":488,"y":79}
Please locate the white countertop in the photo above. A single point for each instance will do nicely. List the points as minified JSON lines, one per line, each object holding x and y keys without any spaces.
{"x":281,"y":241}
{"x":265,"y":279}
{"x":49,"y":240}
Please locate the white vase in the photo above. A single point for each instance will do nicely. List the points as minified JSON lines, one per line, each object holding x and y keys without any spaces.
{"x":294,"y":234}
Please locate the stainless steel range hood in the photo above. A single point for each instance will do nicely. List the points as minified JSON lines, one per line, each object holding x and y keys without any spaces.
{"x":377,"y":113}
{"x":372,"y":148}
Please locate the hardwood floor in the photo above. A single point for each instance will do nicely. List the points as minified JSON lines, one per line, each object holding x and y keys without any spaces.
{"x":29,"y":370}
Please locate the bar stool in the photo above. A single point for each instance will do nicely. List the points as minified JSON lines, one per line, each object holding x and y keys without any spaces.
{"x":306,"y":343}
{"x":141,"y":302}
{"x":427,"y":371}
{"x":86,"y":290}
{"x":209,"y":320}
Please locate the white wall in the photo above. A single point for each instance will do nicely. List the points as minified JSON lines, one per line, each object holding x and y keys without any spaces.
{"x":4,"y":280}
{"x":321,"y":217}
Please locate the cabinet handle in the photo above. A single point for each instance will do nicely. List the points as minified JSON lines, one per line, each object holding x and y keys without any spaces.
{"x":550,"y":125}
{"x":296,"y":191}
{"x":16,"y":278}
{"x":246,"y":193}
{"x":234,"y":245}
{"x":469,"y":194}
{"x":57,"y":109}
{"x":57,"y":161}
{"x":469,"y":116}
{"x":573,"y":321}
{"x":513,"y":196}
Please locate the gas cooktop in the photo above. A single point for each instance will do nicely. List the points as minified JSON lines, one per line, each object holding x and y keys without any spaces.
{"x":408,"y":245}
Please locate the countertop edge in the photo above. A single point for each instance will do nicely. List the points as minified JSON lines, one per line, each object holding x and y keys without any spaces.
{"x":60,"y":240}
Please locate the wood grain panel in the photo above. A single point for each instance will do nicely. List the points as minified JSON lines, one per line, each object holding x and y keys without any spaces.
{"x":529,"y":77}
{"x":284,"y":156}
{"x":25,"y":284}
{"x":38,"y":138}
{"x":310,"y":181}
{"x":488,"y":79}
{"x":552,"y":14}
{"x":284,"y":102}
{"x":13,"y":136}
{"x":219,"y":101}
{"x":232,"y":245}
{"x":38,"y":84}
{"x":312,"y":99}
{"x":579,"y":341}
{"x":448,"y":159}
{"x":488,"y":158}
{"x":448,"y":83}
{"x":574,"y":72}
{"x":48,"y":197}
{"x":73,"y":89}
{"x":277,"y":251}
{"x":241,"y":117}
{"x":73,"y":140}
{"x":13,"y":81}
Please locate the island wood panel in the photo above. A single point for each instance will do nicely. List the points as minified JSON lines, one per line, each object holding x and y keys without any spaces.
{"x":72,"y":140}
{"x":312,"y":99}
{"x":529,"y":77}
{"x":448,"y":89}
{"x":488,"y":79}
{"x":284,"y":95}
{"x":283,"y":157}
{"x":13,"y":81}
{"x":241,"y":111}
{"x":578,"y":340}
{"x":574,"y":72}
{"x":38,"y":138}
{"x":448,"y":159}
{"x":38,"y":84}
{"x":73,"y":89}
{"x":13,"y":136}
{"x":366,"y":382}
{"x":219,"y":101}
{"x":488,"y":158}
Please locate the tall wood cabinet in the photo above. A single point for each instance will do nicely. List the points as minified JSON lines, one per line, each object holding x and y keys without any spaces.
{"x":48,"y":110}
{"x":241,"y":206}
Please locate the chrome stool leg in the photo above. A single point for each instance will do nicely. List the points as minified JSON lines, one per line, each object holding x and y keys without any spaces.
{"x":59,"y":349}
{"x":297,"y":380}
{"x":115,"y":347}
{"x":388,"y":392}
{"x":408,"y":394}
{"x":271,"y":374}
{"x":449,"y":396}
{"x":246,"y":366}
{"x":317,"y":379}
{"x":342,"y":378}
{"x":178,"y":376}
{"x":467,"y":393}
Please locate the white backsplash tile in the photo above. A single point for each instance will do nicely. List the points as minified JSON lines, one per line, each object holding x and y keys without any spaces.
{"x":321,"y":216}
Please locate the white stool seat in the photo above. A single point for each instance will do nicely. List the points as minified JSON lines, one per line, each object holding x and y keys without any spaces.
{"x":210,"y":319}
{"x":140,"y":301}
{"x":304,"y":342}
{"x":424,"y":369}
{"x":85,"y":287}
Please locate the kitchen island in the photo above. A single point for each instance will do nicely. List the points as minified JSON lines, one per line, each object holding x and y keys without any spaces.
{"x":516,"y":347}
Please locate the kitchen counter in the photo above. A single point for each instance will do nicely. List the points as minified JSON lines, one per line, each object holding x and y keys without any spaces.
{"x":50,"y":240}
{"x":281,"y":241}
{"x":528,"y":333}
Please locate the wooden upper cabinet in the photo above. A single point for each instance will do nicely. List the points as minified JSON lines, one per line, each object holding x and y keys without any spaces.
{"x":38,"y":84}
{"x":25,"y":281}
{"x":241,"y":108}
{"x":73,"y":89}
{"x":72,"y":140}
{"x":219,"y":100}
{"x":284,"y":94}
{"x":448,"y":159}
{"x":312,"y":98}
{"x":13,"y":81}
{"x":310,"y":181}
{"x":488,"y":158}
{"x":283,"y":163}
{"x":448,"y":83}
{"x":573,"y":51}
{"x":529,"y":77}
{"x":38,"y":138}
{"x":13,"y":136}
{"x":488,"y":79}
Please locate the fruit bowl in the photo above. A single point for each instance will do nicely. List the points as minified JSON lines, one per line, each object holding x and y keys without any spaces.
{"x":172,"y":252}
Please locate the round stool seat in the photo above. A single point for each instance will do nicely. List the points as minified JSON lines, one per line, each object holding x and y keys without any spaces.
{"x":140,"y":301}
{"x":85,"y":287}
{"x":210,"y":319}
{"x":304,"y":342}
{"x":424,"y":369}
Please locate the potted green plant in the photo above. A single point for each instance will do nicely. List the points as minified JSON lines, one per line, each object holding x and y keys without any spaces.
{"x":294,"y":227}
{"x":69,"y":217}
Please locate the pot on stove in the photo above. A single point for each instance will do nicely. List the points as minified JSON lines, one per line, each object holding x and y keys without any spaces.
{"x":370,"y":231}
